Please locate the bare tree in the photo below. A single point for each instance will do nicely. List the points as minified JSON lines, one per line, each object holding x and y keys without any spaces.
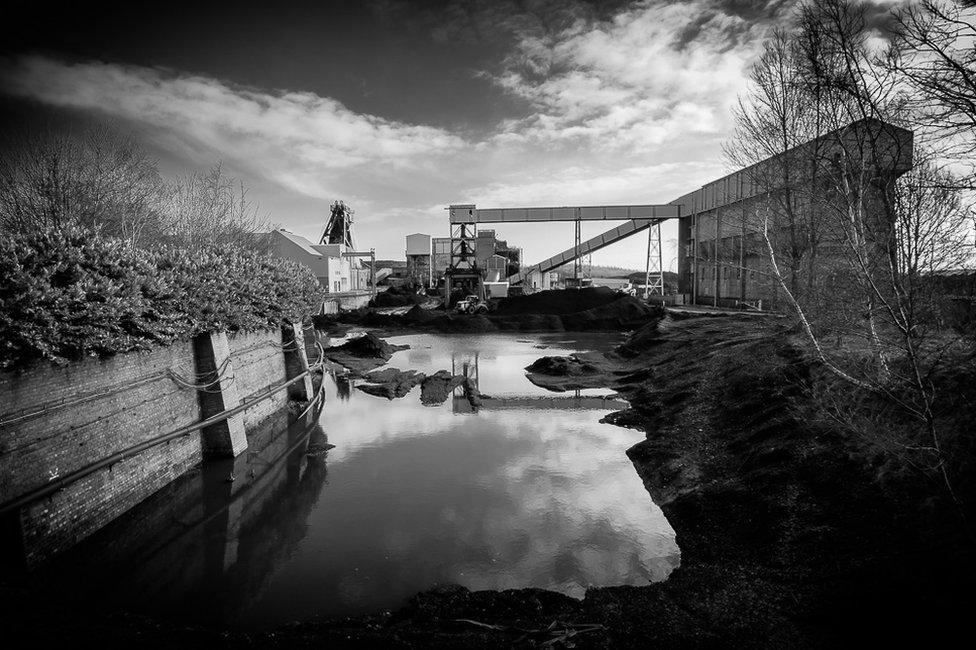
{"x":103,"y":180}
{"x":883,"y":227}
{"x":780,"y":114}
{"x":98,"y":178}
{"x":935,"y":52}
{"x":211,"y":207}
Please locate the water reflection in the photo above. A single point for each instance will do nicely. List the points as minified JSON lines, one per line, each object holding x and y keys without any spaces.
{"x":343,"y":386}
{"x":529,"y":491}
{"x":203,"y":549}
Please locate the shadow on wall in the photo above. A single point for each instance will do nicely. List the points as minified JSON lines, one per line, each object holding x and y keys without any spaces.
{"x":199,"y":549}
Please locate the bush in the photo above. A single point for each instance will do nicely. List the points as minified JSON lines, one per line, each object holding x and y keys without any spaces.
{"x":70,"y":293}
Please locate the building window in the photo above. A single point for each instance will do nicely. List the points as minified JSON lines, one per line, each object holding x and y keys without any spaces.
{"x":738,"y":273}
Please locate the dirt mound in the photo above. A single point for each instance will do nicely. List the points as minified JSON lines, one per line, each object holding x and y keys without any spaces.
{"x":582,"y":370}
{"x":391,"y":382}
{"x":562,"y":366}
{"x":571,"y":310}
{"x":364,"y":353}
{"x":398,"y":297}
{"x":460,"y":323}
{"x":368,"y":346}
{"x":528,"y":322}
{"x":436,"y":387}
{"x":624,"y":313}
{"x":641,"y":340}
{"x":558,"y":301}
{"x":418,"y":315}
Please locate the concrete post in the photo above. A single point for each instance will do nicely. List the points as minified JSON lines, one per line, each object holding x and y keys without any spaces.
{"x":742,"y":256}
{"x":296,"y":361}
{"x":718,"y":256}
{"x":225,"y":439}
{"x":372,"y":272}
{"x":697,"y":280}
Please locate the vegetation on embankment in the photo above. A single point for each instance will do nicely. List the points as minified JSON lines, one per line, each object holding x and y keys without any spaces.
{"x":100,"y":253}
{"x":67,"y":293}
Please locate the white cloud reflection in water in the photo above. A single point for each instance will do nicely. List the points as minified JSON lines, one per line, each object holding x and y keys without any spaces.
{"x":519,"y":497}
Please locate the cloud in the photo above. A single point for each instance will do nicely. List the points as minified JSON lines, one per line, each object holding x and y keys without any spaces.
{"x":656,"y":72}
{"x":309,"y":144}
{"x":629,"y":105}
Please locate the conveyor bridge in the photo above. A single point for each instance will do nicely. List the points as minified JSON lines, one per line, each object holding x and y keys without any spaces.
{"x":882,"y":146}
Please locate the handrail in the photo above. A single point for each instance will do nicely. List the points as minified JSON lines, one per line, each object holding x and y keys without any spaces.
{"x":62,"y":482}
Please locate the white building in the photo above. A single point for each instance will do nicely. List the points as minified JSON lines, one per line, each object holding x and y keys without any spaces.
{"x":419,"y":258}
{"x":336,"y":273}
{"x":538,"y":281}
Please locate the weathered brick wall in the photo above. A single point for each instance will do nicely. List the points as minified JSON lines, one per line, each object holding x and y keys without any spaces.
{"x":58,"y":420}
{"x":72,"y":416}
{"x":258,"y":362}
{"x":54,"y":421}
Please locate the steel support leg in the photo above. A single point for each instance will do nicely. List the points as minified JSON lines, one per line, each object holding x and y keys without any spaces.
{"x":577,"y":262}
{"x":654,"y":272}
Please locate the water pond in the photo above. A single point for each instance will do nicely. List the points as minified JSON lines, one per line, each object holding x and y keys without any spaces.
{"x":530,"y":490}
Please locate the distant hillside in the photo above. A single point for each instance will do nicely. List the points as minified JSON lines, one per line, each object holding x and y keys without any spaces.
{"x":566,"y":271}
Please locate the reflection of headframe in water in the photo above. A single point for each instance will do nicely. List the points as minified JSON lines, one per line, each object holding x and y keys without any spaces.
{"x":343,"y":386}
{"x":467,"y":367}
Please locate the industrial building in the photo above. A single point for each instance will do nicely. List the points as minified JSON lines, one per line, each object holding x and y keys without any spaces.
{"x":419,"y":269}
{"x":723,"y":258}
{"x":336,"y":270}
{"x":722,"y":255}
{"x":441,"y":256}
{"x":495,"y":256}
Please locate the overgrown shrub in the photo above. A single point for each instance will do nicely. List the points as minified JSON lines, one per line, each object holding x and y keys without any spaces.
{"x":70,"y":293}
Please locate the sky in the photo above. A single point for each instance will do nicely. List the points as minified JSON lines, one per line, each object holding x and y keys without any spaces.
{"x":402,"y":108}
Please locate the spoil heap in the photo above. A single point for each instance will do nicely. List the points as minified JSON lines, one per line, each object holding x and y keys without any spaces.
{"x":577,"y":310}
{"x":436,"y":387}
{"x":363,"y":354}
{"x":558,"y":310}
{"x":398,"y":297}
{"x":558,"y":301}
{"x":391,"y":382}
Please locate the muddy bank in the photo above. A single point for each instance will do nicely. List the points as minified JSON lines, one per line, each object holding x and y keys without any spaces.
{"x":789,"y":536}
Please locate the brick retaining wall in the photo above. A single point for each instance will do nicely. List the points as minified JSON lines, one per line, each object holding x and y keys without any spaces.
{"x":56,"y":420}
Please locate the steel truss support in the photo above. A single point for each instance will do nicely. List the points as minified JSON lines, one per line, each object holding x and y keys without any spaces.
{"x":654,"y":273}
{"x":463,"y":242}
{"x":463,"y":271}
{"x":578,"y":262}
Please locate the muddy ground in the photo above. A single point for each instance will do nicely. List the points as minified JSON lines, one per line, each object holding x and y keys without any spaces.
{"x":788,"y":536}
{"x":583,"y":310}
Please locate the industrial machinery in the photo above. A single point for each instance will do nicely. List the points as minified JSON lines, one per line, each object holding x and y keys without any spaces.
{"x":471,"y":304}
{"x":464,"y":219}
{"x":338,"y":230}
